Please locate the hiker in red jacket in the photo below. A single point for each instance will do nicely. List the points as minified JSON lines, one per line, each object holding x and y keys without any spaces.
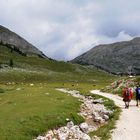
{"x":127,"y":96}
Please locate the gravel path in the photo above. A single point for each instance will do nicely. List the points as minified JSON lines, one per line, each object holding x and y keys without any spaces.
{"x":128,"y":126}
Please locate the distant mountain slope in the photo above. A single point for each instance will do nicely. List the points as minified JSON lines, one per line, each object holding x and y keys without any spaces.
{"x":35,"y":69}
{"x":10,"y":38}
{"x":117,"y":58}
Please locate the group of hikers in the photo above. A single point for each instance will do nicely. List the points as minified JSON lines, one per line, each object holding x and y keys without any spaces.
{"x":128,"y":94}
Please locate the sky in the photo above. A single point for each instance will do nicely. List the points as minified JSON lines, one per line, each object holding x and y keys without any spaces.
{"x":64,"y":29}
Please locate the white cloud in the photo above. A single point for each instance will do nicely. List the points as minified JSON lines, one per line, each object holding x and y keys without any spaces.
{"x":65,"y":29}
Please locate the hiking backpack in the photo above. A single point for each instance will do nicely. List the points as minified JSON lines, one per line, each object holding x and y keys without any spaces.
{"x":139,"y":91}
{"x":127,"y":93}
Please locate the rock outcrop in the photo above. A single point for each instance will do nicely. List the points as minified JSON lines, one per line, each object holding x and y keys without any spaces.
{"x":117,"y":58}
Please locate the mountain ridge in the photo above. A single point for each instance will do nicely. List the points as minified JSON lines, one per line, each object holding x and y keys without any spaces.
{"x":117,"y":58}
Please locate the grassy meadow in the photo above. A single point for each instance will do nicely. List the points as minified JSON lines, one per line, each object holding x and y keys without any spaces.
{"x":26,"y":111}
{"x":29,"y":110}
{"x":29,"y":103}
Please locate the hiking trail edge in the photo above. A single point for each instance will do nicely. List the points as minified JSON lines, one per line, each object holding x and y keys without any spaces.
{"x":128,"y":125}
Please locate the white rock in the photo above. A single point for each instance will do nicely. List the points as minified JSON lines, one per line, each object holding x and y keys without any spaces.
{"x":91,"y":128}
{"x":31,"y":84}
{"x":98,"y":101}
{"x":70,"y":124}
{"x":84,"y":127}
{"x":85,"y":137}
{"x":98,"y":119}
{"x":89,"y":97}
{"x":90,"y":111}
{"x":41,"y":138}
{"x":106,"y":117}
{"x":67,"y":119}
{"x":62,"y":130}
{"x":84,"y":114}
{"x":63,"y":136}
{"x":95,"y":114}
{"x":50,"y":133}
{"x":54,"y":132}
{"x":18,"y":89}
{"x":75,"y":128}
{"x":107,"y":112}
{"x":89,"y":117}
{"x":48,"y":137}
{"x":47,"y":93}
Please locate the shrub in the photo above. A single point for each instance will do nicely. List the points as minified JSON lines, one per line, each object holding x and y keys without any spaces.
{"x":1,"y":90}
{"x":11,"y":63}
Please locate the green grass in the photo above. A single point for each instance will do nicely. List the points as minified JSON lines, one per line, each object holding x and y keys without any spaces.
{"x":1,"y":90}
{"x":33,"y":63}
{"x":27,"y":111}
{"x":33,"y":69}
{"x":30,"y":111}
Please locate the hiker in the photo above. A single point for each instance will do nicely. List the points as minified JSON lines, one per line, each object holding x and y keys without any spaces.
{"x":137,"y":95}
{"x":127,"y":96}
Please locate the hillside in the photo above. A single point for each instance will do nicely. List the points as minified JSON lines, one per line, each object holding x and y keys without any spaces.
{"x":14,"y":41}
{"x":35,"y":69}
{"x":117,"y":58}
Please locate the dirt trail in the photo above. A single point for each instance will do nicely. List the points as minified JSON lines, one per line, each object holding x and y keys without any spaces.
{"x":128,"y":126}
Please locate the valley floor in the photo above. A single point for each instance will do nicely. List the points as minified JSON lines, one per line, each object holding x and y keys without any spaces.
{"x":127,"y":127}
{"x":27,"y":110}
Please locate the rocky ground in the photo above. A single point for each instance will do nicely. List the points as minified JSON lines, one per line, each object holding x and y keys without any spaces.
{"x":94,"y":113}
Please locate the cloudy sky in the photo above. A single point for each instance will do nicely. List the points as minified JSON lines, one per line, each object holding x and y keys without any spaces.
{"x":64,"y":29}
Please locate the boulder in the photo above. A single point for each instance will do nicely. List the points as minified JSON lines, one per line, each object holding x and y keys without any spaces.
{"x":98,"y":101}
{"x":85,"y":137}
{"x":4,"y":66}
{"x":41,"y":138}
{"x":84,"y":127}
{"x":62,"y":137}
{"x":107,"y":112}
{"x":106,"y":117}
{"x":99,"y":119}
{"x":70,"y":124}
{"x":49,"y":135}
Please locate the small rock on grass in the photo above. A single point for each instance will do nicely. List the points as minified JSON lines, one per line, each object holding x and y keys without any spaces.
{"x":41,"y":138}
{"x":67,"y":119}
{"x":98,"y":101}
{"x":18,"y":89}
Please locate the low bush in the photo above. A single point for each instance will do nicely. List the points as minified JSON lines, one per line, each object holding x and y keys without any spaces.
{"x":1,"y":90}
